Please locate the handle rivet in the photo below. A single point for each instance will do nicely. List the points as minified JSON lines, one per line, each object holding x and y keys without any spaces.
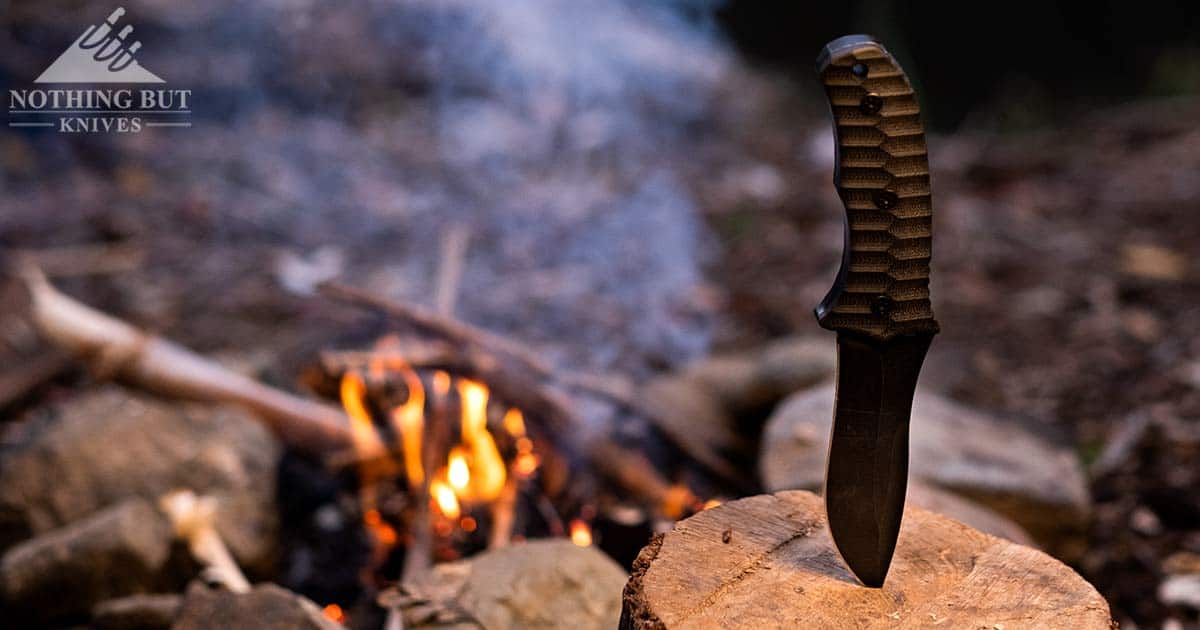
{"x":859,"y":70}
{"x":881,"y":305}
{"x":870,"y":104}
{"x":885,"y":199}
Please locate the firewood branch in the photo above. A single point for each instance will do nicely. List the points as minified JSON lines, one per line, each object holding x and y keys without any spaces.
{"x":117,"y":349}
{"x":522,"y":379}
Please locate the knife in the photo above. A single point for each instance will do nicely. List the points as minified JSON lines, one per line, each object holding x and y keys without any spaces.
{"x":879,"y":304}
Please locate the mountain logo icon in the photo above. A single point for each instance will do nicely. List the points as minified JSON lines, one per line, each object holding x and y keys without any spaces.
{"x":100,"y":55}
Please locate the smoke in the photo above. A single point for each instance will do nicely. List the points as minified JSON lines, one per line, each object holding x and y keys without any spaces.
{"x":563,"y":133}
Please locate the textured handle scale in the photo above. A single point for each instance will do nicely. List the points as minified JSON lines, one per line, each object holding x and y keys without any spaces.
{"x":882,"y":176}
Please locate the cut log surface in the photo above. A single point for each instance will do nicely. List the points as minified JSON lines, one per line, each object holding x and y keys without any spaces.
{"x":768,"y":562}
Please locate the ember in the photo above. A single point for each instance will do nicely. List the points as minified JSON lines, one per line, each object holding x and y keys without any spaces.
{"x":446,"y":500}
{"x":334,"y":613}
{"x":581,"y":534}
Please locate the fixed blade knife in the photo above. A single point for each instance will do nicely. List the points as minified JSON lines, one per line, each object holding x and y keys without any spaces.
{"x":879,"y":304}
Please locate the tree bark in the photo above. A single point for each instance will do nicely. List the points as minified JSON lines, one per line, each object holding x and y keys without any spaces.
{"x":768,"y":562}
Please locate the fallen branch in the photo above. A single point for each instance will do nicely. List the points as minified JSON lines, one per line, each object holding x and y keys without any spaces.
{"x":117,"y":349}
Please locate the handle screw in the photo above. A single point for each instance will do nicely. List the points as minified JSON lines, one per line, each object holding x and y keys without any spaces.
{"x":870,"y":104}
{"x":885,"y":199}
{"x":859,"y":70}
{"x":881,"y":305}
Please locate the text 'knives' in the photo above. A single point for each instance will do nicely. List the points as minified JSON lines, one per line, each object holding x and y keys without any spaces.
{"x":879,"y":305}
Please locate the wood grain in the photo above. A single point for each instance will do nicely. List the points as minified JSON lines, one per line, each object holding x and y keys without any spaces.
{"x":768,"y":562}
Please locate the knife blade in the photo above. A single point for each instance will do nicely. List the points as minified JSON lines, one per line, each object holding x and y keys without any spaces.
{"x":879,"y":304}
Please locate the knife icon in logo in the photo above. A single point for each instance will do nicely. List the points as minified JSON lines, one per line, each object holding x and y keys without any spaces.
{"x":100,"y":55}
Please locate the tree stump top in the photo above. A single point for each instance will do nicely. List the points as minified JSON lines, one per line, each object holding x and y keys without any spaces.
{"x":768,"y":562}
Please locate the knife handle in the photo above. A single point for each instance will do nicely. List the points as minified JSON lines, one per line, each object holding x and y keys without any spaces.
{"x":881,"y":173}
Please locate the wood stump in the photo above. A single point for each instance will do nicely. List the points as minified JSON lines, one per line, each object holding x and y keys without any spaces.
{"x":768,"y":562}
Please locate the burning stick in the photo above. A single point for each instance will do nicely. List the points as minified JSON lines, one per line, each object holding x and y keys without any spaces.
{"x":505,"y":366}
{"x":490,"y":356}
{"x":438,"y":325}
{"x":626,"y":468}
{"x":193,"y":519}
{"x":518,"y":377}
{"x":436,"y":440}
{"x":503,"y":516}
{"x":117,"y":349}
{"x":636,"y":474}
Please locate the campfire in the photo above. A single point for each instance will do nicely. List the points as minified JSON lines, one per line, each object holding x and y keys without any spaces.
{"x":443,"y":467}
{"x":448,"y":442}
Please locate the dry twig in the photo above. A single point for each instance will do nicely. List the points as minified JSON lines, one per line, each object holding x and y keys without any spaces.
{"x":193,"y":519}
{"x":117,"y":349}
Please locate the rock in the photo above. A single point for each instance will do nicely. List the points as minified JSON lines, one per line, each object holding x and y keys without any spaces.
{"x":137,"y":612}
{"x":751,"y":383}
{"x":967,"y":512}
{"x":63,"y":573}
{"x":110,"y":444}
{"x":1180,"y":590}
{"x":267,"y":607}
{"x":542,"y":584}
{"x":693,"y":419}
{"x":996,"y":464}
{"x":714,"y":408}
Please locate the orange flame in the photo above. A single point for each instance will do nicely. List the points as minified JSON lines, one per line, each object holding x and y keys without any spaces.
{"x":383,"y":532}
{"x":581,"y":534}
{"x":677,"y":500}
{"x":526,"y":464}
{"x":444,"y":498}
{"x":457,"y":472}
{"x":711,"y":503}
{"x":362,"y":430}
{"x":487,"y":466}
{"x":514,"y":423}
{"x":474,"y":397}
{"x":333,"y":612}
{"x":409,"y":421}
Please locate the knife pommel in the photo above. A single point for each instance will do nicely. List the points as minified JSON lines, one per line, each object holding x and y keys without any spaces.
{"x":881,"y":173}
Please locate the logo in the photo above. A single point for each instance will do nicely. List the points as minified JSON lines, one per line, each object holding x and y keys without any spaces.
{"x":103,"y":54}
{"x":100,"y":55}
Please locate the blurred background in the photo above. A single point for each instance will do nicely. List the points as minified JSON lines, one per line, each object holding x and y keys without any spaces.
{"x":645,"y":184}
